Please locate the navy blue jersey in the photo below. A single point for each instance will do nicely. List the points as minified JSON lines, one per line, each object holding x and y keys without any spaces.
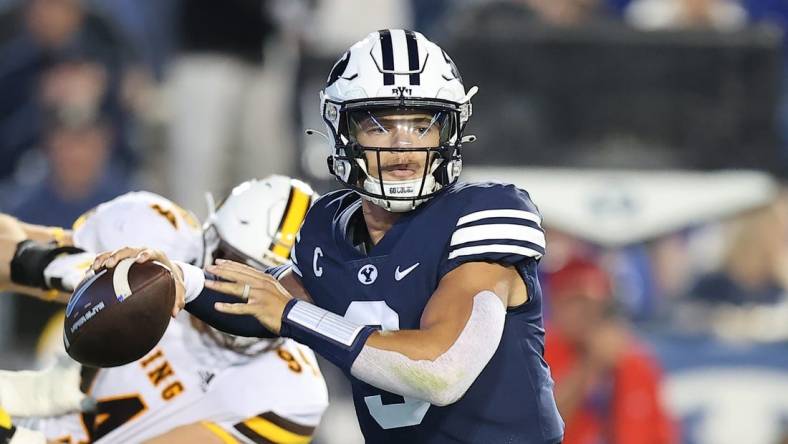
{"x":512,"y":399}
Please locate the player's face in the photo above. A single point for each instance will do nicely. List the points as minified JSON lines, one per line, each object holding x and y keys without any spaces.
{"x":408,"y":133}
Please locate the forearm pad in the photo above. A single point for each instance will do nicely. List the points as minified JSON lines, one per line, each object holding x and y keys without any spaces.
{"x":328,"y":334}
{"x":31,"y":259}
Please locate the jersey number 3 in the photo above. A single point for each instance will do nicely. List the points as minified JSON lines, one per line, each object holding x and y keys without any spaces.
{"x":389,"y":416}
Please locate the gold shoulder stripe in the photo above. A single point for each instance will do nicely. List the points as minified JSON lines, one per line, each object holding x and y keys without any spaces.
{"x":272,"y":428}
{"x":220,"y":432}
{"x":297,"y":206}
{"x":82,"y":219}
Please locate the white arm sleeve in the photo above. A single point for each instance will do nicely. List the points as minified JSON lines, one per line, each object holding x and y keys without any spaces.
{"x":446,"y":379}
{"x":193,"y":280}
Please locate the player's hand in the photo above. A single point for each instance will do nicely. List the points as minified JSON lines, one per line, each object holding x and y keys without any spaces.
{"x":11,"y":233}
{"x":265,"y":299}
{"x":110,"y":259}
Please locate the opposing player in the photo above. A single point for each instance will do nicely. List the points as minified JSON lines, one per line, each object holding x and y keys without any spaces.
{"x":198,"y":384}
{"x":424,"y":291}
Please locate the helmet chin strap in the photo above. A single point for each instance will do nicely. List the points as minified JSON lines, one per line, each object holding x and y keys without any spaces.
{"x":404,"y":188}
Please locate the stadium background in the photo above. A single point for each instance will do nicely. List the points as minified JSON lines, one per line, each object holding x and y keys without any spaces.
{"x":653,"y":134}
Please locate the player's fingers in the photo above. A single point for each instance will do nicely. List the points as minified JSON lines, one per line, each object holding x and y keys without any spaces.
{"x":236,"y":274}
{"x":120,"y":254}
{"x":229,"y":288}
{"x":146,"y":255}
{"x":180,"y":298}
{"x":100,"y":259}
{"x":238,"y":266}
{"x":239,"y":269}
{"x":235,"y":309}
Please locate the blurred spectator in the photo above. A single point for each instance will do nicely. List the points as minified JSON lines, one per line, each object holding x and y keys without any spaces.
{"x":722,"y":15}
{"x":754,"y":268}
{"x":231,"y":87}
{"x":607,"y":383}
{"x":564,"y":12}
{"x":744,"y":299}
{"x":35,"y":35}
{"x":77,"y":147}
{"x":335,"y":24}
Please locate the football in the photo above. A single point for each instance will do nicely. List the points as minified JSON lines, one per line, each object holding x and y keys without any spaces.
{"x":117,"y":315}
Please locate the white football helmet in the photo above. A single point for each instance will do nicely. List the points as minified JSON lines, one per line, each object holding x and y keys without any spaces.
{"x":392,"y":72}
{"x":257,"y":222}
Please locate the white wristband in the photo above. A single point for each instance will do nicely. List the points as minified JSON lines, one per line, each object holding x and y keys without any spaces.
{"x":193,"y":280}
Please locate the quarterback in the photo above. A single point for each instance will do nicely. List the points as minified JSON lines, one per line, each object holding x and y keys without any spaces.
{"x":422,"y":289}
{"x":198,"y":384}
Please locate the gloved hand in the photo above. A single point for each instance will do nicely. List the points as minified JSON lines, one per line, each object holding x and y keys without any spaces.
{"x":50,"y":392}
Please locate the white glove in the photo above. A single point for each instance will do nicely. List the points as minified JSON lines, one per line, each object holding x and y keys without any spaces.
{"x":50,"y":392}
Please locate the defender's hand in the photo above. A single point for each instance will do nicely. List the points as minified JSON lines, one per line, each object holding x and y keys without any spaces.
{"x":50,"y":392}
{"x":265,"y":296}
{"x":11,"y":233}
{"x":110,"y":259}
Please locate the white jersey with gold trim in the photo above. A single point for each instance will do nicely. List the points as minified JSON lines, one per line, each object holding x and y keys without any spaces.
{"x":190,"y":377}
{"x":187,"y":380}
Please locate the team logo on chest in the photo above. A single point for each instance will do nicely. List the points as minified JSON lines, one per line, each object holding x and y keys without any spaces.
{"x":368,"y":274}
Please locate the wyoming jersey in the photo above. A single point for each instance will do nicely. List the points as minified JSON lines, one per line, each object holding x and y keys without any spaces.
{"x":247,"y":391}
{"x":389,"y":285}
{"x":276,"y":396}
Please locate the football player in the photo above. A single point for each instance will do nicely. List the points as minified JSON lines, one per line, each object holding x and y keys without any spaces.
{"x":423,"y":290}
{"x":198,"y":384}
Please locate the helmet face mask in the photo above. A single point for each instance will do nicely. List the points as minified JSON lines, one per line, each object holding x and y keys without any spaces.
{"x":395,"y":145}
{"x":398,"y":155}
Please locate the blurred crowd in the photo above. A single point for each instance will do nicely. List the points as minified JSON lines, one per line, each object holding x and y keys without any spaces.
{"x":187,"y":97}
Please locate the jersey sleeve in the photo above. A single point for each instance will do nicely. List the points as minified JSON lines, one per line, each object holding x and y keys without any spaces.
{"x":499,"y":224}
{"x":140,"y":219}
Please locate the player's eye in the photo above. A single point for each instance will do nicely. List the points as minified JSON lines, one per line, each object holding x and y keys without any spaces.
{"x":376,"y":130}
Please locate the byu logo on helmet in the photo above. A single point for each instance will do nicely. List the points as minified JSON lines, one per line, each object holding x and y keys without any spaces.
{"x":368,"y":274}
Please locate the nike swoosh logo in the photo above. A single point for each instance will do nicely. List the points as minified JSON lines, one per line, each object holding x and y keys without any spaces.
{"x":399,"y":275}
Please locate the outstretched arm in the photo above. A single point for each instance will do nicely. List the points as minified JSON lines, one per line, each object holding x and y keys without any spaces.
{"x":460,"y":329}
{"x":12,"y":232}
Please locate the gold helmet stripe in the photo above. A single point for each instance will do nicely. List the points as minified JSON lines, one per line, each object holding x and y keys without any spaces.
{"x":297,"y":206}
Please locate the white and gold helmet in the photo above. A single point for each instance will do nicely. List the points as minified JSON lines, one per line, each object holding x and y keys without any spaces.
{"x":257,"y":222}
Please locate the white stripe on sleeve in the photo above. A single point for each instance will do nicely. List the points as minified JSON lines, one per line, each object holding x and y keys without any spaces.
{"x":494,"y":248}
{"x":498,"y":231}
{"x":488,"y":214}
